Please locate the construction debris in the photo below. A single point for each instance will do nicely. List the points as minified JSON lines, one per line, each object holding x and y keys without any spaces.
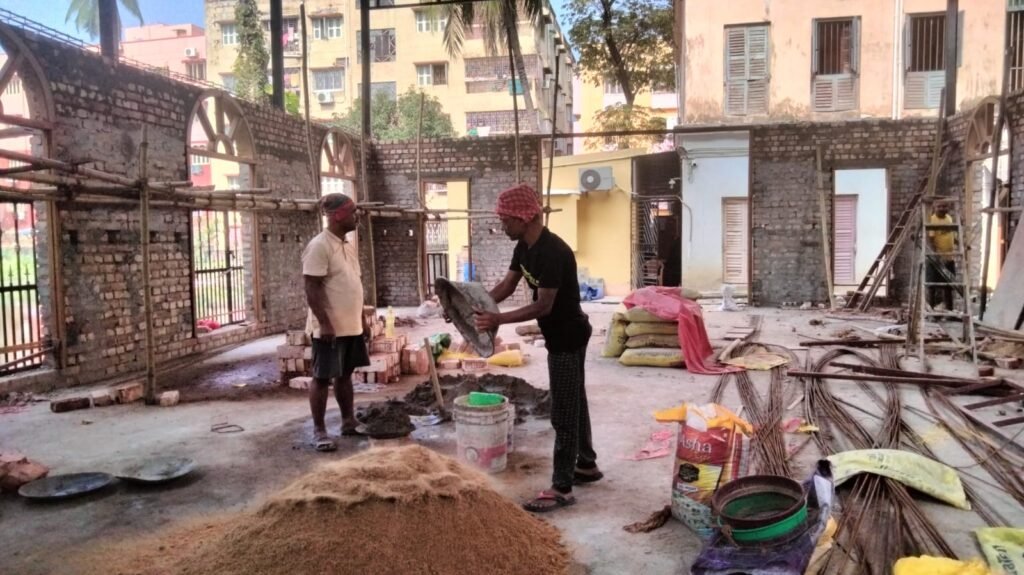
{"x":17,"y":470}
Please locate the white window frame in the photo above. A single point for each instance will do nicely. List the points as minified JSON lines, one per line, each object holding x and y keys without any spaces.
{"x":228,"y":81}
{"x":328,"y":27}
{"x":424,"y":74}
{"x":229,"y":34}
{"x":340,"y":87}
{"x":191,"y":69}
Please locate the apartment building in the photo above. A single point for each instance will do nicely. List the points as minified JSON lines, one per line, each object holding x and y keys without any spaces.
{"x":830,"y":59}
{"x":407,"y":49}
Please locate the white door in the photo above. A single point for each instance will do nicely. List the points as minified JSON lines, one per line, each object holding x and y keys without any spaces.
{"x":735,"y":227}
{"x":845,"y":244}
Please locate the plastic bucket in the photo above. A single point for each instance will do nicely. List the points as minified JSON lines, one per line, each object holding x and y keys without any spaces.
{"x":482,"y":434}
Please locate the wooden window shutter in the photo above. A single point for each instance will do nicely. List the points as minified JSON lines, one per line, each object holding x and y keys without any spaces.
{"x":845,"y":242}
{"x":736,"y":71}
{"x":835,"y":91}
{"x":734,"y":240}
{"x":923,"y":90}
{"x":758,"y":51}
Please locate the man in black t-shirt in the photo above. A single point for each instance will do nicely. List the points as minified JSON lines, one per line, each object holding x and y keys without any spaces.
{"x":549,"y":267}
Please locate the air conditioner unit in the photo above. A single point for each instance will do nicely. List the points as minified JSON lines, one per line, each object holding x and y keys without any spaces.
{"x":325,"y":97}
{"x":596,"y":179}
{"x":191,"y":52}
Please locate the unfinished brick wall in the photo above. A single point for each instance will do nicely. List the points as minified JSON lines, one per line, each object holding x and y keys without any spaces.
{"x":786,"y":237}
{"x":99,"y":111}
{"x":489,"y":166}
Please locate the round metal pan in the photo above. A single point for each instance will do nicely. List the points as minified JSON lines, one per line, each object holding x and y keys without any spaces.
{"x":65,"y":486}
{"x":157,"y":470}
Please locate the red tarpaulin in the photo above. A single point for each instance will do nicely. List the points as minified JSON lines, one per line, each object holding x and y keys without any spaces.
{"x":669,"y":304}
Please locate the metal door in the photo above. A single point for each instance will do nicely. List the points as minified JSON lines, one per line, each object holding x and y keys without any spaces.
{"x":218,"y":266}
{"x":20,"y":325}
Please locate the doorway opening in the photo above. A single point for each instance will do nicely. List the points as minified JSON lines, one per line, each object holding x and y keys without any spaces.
{"x":447,"y":249}
{"x":860,"y":224}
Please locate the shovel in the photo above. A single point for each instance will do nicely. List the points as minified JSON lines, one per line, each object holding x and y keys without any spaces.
{"x":438,"y":396}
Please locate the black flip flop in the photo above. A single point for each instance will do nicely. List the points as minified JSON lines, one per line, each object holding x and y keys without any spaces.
{"x":560,"y":501}
{"x":584,"y":478}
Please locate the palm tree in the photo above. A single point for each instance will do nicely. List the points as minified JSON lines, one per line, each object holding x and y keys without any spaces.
{"x":499,"y":20}
{"x":86,"y":14}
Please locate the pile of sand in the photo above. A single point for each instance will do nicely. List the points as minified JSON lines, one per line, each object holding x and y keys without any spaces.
{"x":405,"y":510}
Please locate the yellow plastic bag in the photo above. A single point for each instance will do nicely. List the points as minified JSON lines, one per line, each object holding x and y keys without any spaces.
{"x":927,"y":565}
{"x":1004,"y":548}
{"x":616,"y":342}
{"x":507,"y":358}
{"x":652,"y":357}
{"x":666,"y":341}
{"x":913,"y":470}
{"x":651,"y":328}
{"x":640,"y":315}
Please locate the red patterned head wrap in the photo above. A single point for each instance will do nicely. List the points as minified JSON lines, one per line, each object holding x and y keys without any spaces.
{"x":520,"y":202}
{"x":337,"y":206}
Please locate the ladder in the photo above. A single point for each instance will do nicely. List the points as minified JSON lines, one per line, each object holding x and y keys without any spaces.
{"x":959,"y":281}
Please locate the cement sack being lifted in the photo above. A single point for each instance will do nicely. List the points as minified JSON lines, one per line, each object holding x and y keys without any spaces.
{"x":459,"y":300}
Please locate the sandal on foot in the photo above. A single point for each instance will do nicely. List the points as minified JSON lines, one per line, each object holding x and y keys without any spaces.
{"x":549,"y":501}
{"x":323,"y":443}
{"x":580,"y":477}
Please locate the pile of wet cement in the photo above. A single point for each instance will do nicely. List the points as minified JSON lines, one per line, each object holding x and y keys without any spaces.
{"x":388,"y":418}
{"x":528,"y":399}
{"x":404,"y":510}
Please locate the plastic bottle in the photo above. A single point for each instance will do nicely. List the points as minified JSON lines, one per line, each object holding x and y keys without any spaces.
{"x":389,"y":324}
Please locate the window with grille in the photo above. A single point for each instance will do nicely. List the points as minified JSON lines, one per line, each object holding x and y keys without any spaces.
{"x":835,"y":65}
{"x":328,"y":28}
{"x":196,"y":70}
{"x":612,"y":86}
{"x":329,"y":80}
{"x":1015,"y":45}
{"x":228,"y":34}
{"x":746,"y":70}
{"x":21,"y":336}
{"x":219,"y":282}
{"x":382,"y":45}
{"x":228,"y":81}
{"x":924,"y":56}
{"x":431,"y":74}
{"x":388,"y":89}
{"x":13,"y":87}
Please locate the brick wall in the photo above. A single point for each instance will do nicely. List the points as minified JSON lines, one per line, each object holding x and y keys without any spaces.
{"x":785,"y":234}
{"x":489,"y":166}
{"x":99,"y":111}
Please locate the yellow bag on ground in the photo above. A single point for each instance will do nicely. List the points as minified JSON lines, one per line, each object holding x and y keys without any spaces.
{"x":651,"y":328}
{"x":616,"y":342}
{"x":1003,"y":548}
{"x":652,"y":357}
{"x":508,"y":358}
{"x":913,"y":470}
{"x":926,"y":565}
{"x":640,"y":315}
{"x":667,"y":341}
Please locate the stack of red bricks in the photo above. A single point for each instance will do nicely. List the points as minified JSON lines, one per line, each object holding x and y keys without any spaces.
{"x":295,"y":357}
{"x":385,"y":361}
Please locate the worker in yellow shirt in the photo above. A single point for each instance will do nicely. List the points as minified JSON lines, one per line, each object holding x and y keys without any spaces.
{"x":941,"y":265}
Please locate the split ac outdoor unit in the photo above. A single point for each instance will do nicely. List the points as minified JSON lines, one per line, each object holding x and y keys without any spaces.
{"x":191,"y":52}
{"x":596,"y":179}
{"x":325,"y":97}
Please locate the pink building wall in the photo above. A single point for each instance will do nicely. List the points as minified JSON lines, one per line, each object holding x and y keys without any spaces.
{"x":165,"y":45}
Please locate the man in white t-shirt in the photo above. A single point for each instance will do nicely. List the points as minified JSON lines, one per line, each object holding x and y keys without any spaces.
{"x":334,"y":292}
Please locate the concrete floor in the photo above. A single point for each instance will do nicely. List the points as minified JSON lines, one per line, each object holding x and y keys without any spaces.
{"x":238,"y":470}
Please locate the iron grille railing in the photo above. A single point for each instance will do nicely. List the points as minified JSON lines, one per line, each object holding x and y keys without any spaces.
{"x":437,"y":267}
{"x":20,"y":325}
{"x":437,"y":236}
{"x":219,"y":272}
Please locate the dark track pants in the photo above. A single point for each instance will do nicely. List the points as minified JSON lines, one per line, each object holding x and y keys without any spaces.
{"x":570,"y":417}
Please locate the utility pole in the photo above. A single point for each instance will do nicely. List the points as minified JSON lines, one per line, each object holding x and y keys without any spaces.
{"x":108,"y":28}
{"x":952,"y":26}
{"x":364,"y":47}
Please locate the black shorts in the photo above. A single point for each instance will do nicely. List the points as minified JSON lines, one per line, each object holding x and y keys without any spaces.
{"x":339,"y":358}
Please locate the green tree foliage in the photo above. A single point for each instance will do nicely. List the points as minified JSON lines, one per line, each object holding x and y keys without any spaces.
{"x":629,"y":41}
{"x":623,"y":117}
{"x":86,"y":15}
{"x":398,"y":120}
{"x":292,"y":103}
{"x":253,"y":59}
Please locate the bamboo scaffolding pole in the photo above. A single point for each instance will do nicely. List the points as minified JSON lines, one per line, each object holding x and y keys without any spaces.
{"x":997,"y":141}
{"x":551,"y":151}
{"x":150,"y":383}
{"x":305,"y":95}
{"x":421,"y":193}
{"x":826,"y":247}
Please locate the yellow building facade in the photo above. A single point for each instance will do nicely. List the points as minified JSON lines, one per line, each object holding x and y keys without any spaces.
{"x":592,"y":98}
{"x":596,"y":224}
{"x":408,"y":51}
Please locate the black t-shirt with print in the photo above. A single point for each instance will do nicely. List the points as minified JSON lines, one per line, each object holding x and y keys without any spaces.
{"x":550,"y":263}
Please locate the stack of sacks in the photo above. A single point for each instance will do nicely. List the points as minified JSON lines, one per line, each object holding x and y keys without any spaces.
{"x":639,"y":338}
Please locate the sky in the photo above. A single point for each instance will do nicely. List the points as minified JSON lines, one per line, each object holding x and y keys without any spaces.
{"x":51,"y":13}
